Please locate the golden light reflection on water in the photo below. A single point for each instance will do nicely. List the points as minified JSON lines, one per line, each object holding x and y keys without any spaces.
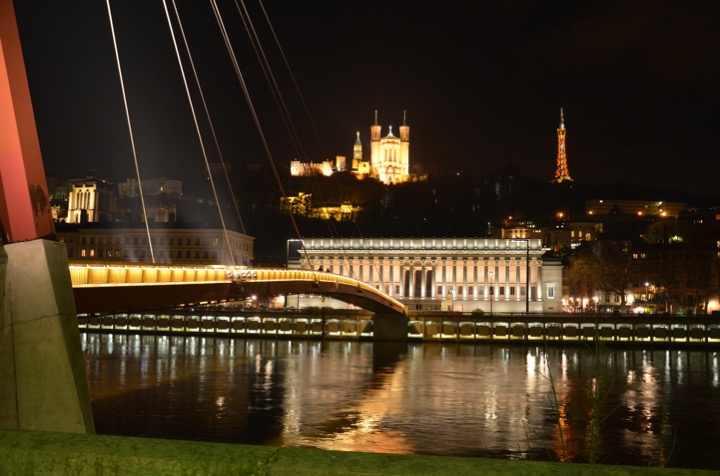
{"x":470,"y":400}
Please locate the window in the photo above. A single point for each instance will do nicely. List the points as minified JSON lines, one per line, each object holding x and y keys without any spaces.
{"x":83,"y":252}
{"x":550,"y":291}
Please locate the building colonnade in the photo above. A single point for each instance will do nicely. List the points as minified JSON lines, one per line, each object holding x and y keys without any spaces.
{"x":444,"y":273}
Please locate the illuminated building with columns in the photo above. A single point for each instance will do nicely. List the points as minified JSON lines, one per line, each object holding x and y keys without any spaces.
{"x":460,"y":274}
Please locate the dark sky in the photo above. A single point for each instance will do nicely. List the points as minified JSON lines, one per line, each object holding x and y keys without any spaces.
{"x":482,"y":83}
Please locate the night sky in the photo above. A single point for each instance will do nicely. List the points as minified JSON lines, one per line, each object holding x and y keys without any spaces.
{"x":482,"y":83}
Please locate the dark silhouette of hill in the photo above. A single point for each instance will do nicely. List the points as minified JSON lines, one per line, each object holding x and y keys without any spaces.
{"x":451,"y":204}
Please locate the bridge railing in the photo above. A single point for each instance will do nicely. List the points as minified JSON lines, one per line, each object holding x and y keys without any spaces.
{"x":109,"y":274}
{"x":94,"y":275}
{"x":318,"y":276}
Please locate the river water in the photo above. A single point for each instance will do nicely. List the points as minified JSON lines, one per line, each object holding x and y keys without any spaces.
{"x":654,"y":406}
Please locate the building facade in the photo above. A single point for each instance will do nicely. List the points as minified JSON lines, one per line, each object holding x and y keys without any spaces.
{"x":90,"y":201}
{"x":458,"y":274}
{"x":165,"y":245}
{"x":390,"y":155}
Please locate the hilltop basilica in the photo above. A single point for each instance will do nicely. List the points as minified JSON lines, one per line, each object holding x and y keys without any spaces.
{"x":389,"y":157}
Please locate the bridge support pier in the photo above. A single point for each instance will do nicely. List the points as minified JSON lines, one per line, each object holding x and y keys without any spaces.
{"x":390,"y":327}
{"x":43,"y":385}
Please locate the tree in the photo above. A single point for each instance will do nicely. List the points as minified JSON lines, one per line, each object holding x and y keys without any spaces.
{"x":613,"y":272}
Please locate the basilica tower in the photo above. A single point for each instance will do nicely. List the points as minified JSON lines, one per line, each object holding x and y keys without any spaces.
{"x":390,"y":155}
{"x":561,"y":172}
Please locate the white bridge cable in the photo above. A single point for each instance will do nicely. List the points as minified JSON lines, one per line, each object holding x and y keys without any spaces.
{"x":284,"y":111}
{"x":130,"y":130}
{"x":197,"y":128}
{"x":251,"y":107}
{"x":209,"y":119}
{"x":270,"y":78}
{"x":275,"y":90}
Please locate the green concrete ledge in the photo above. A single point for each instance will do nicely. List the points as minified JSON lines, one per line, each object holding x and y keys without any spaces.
{"x":25,"y":452}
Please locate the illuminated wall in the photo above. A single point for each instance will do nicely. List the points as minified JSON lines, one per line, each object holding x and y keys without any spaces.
{"x":90,"y":202}
{"x":434,"y":273}
{"x":390,"y":155}
{"x":169,"y":245}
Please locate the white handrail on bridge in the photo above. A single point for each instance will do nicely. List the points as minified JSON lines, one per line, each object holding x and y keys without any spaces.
{"x":307,"y":275}
{"x":98,"y":275}
{"x":117,"y":275}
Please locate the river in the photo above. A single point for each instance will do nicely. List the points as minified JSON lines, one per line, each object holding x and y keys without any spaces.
{"x":654,"y":407}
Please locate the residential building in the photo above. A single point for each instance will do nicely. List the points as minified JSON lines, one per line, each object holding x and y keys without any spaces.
{"x":166,"y":244}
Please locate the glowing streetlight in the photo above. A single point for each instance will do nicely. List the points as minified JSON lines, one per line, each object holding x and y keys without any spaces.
{"x":647,"y":298}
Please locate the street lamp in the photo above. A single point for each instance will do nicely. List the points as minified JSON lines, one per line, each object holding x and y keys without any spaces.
{"x":527,"y":272}
{"x":491,"y":290}
{"x":647,"y":298}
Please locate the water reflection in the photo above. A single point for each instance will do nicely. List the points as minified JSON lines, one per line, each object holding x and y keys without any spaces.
{"x":446,"y":399}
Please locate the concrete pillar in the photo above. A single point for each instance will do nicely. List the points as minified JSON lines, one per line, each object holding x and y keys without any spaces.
{"x":43,"y":385}
{"x":390,"y":327}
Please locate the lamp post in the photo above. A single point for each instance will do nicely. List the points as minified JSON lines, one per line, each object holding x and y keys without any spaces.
{"x":491,"y":290}
{"x":527,"y":272}
{"x":647,"y":298}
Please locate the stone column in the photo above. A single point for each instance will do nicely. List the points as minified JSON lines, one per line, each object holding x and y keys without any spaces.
{"x":43,"y":385}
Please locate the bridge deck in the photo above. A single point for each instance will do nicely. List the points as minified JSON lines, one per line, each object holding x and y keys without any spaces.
{"x":104,"y":288}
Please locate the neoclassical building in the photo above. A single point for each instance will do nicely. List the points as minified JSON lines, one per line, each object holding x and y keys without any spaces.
{"x":460,"y":274}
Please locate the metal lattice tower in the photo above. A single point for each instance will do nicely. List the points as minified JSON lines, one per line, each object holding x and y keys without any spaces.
{"x":561,"y":172}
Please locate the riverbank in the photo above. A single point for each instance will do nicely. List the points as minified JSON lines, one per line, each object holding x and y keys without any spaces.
{"x":655,"y":330}
{"x":34,"y":452}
